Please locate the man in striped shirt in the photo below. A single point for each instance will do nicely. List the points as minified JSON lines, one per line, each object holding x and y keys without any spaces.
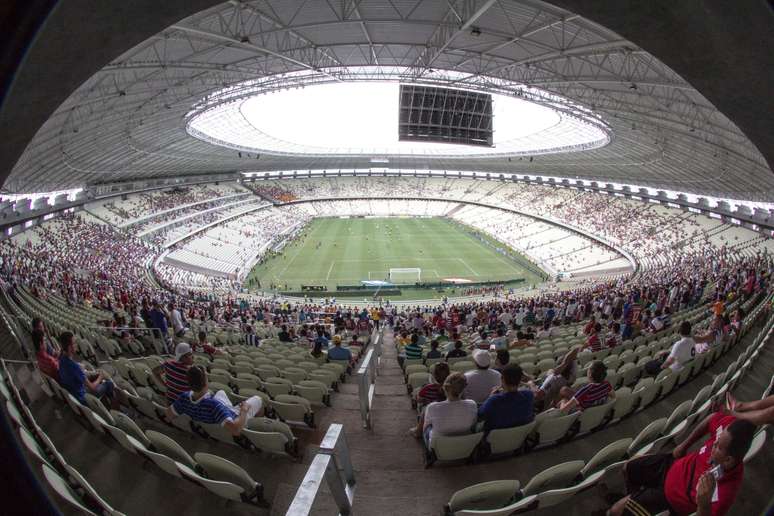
{"x":174,"y":373}
{"x":204,"y":407}
{"x":413,"y":351}
{"x":594,"y":393}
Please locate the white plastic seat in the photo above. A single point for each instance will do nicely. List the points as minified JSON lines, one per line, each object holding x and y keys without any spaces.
{"x":293,"y":409}
{"x":593,"y":417}
{"x":96,"y":405}
{"x":507,"y":440}
{"x":223,"y":489}
{"x":276,"y":386}
{"x":61,"y":487}
{"x":414,"y":368}
{"x":457,"y":447}
{"x":314,"y":391}
{"x":646,"y":437}
{"x":647,"y":390}
{"x":121,"y":437}
{"x":418,"y":380}
{"x":166,"y":446}
{"x":523,"y":505}
{"x":218,"y":432}
{"x":555,"y":477}
{"x":294,"y":374}
{"x":610,"y":454}
{"x":678,"y":414}
{"x":667,"y":382}
{"x":552,"y":429}
{"x":32,"y":446}
{"x":485,"y":496}
{"x":624,"y":403}
{"x":759,"y":441}
{"x":220,"y":469}
{"x":701,"y":397}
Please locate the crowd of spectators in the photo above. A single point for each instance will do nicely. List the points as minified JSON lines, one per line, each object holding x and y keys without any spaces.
{"x":143,"y":204}
{"x":498,"y":394}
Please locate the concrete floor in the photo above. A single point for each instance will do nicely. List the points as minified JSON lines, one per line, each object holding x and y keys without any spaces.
{"x":390,"y":475}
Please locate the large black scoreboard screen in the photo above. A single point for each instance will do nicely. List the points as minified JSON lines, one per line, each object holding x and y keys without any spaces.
{"x":442,"y":115}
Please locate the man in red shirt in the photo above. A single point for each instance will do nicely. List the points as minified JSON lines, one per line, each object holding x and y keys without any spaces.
{"x":705,"y":481}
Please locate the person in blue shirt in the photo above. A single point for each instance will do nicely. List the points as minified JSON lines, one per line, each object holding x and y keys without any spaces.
{"x":74,"y":379}
{"x":214,"y":409}
{"x":508,"y":406}
{"x":321,"y":339}
{"x":337,"y":352}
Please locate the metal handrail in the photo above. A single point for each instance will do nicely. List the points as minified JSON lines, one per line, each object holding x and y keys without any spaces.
{"x":334,"y":466}
{"x":366,"y":386}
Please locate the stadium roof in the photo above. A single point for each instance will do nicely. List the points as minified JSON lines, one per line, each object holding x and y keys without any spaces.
{"x":128,"y":120}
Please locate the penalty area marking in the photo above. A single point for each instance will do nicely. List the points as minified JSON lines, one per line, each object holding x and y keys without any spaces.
{"x":468,"y":266}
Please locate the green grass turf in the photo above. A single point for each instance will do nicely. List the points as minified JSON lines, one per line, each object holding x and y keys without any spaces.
{"x":351,"y":250}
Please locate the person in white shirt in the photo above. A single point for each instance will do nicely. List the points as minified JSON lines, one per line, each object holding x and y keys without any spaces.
{"x":455,"y":416}
{"x":682,"y":350}
{"x":481,"y":380}
{"x":177,"y":320}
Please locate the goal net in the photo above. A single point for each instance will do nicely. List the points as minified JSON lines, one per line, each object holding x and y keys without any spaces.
{"x":405,"y":276}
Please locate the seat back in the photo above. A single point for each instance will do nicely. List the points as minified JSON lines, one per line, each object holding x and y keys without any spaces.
{"x":593,"y":417}
{"x":677,"y":415}
{"x":455,"y":447}
{"x":554,"y":428}
{"x":218,"y":468}
{"x":555,"y":477}
{"x":223,"y":489}
{"x":608,"y":455}
{"x":648,"y":434}
{"x":163,"y":444}
{"x":485,"y":496}
{"x":506,"y":440}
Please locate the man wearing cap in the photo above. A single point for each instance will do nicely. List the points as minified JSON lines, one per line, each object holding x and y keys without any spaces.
{"x":174,"y":373}
{"x":337,"y":352}
{"x":482,"y":379}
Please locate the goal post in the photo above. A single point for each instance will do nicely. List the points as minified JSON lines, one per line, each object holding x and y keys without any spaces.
{"x":405,"y":275}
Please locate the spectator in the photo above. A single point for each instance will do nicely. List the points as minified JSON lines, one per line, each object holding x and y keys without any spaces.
{"x":682,"y":350}
{"x":283,"y":335}
{"x":457,"y":352}
{"x":614,"y":339}
{"x":594,"y":393}
{"x":413,"y":351}
{"x":481,"y":380}
{"x":202,"y":346}
{"x":48,"y":363}
{"x":337,"y":352}
{"x":204,"y":407}
{"x":500,"y":342}
{"x":507,"y":406}
{"x":321,"y":339}
{"x":174,"y":373}
{"x":251,"y":339}
{"x":430,"y":393}
{"x":759,"y":412}
{"x":704,"y":482}
{"x":594,"y":343}
{"x":158,"y":320}
{"x":434,"y":352}
{"x":316,"y":349}
{"x":502,"y":358}
{"x":455,"y":416}
{"x":561,"y":376}
{"x":177,"y":320}
{"x":75,"y":380}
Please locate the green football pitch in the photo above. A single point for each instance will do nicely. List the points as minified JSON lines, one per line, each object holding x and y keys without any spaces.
{"x":335,"y":251}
